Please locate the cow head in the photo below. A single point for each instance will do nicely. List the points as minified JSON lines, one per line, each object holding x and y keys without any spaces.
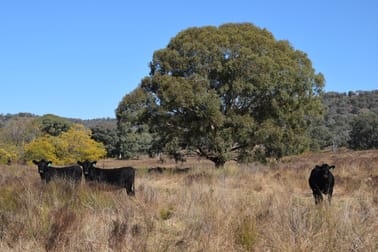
{"x":325,"y":169}
{"x":87,"y":166}
{"x":42,"y":165}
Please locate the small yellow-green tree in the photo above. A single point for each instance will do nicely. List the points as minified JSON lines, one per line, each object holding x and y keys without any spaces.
{"x":78,"y":144}
{"x":68,"y":147}
{"x":7,"y":154}
{"x":41,"y":147}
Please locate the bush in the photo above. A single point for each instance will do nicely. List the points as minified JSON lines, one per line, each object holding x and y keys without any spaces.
{"x":68,"y":147}
{"x":6,"y":156}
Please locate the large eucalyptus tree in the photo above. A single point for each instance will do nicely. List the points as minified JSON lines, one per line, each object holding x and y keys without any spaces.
{"x":228,"y":91}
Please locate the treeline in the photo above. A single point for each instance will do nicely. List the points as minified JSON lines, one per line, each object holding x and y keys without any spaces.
{"x":25,"y":136}
{"x":351,"y":121}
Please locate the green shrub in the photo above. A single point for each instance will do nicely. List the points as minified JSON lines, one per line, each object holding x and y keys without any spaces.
{"x":246,"y":234}
{"x":166,"y":213}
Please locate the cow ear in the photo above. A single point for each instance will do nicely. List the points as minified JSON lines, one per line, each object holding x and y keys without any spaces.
{"x":35,"y":162}
{"x":332,"y":167}
{"x":49,"y":163}
{"x":79,"y":163}
{"x":94,"y":163}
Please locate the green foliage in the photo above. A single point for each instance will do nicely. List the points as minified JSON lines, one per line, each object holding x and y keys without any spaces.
{"x":166,"y":212}
{"x":224,"y":90}
{"x":68,"y":147}
{"x":246,"y":233}
{"x":364,"y":133}
{"x":134,"y":135}
{"x":342,"y":108}
{"x":54,"y":125}
{"x":134,"y":140}
{"x":108,"y":136}
{"x":8,"y":153}
{"x":321,"y":137}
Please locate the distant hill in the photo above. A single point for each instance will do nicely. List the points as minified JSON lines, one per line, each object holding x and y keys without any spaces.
{"x":91,"y":123}
{"x":110,"y":122}
{"x":342,"y":108}
{"x":351,"y":103}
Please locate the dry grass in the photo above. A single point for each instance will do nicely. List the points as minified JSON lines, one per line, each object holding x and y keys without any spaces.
{"x":238,"y":208}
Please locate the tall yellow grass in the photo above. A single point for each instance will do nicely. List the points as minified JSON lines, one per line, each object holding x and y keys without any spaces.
{"x":238,"y":208}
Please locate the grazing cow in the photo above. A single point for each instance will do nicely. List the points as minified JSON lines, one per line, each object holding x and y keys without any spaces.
{"x":48,"y":172}
{"x":322,"y":181}
{"x":123,"y":176}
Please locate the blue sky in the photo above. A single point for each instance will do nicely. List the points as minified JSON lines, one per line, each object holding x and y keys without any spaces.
{"x":79,"y":58}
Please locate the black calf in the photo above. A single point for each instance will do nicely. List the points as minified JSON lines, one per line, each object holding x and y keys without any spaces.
{"x":322,"y":181}
{"x":48,"y":172}
{"x":123,"y":177}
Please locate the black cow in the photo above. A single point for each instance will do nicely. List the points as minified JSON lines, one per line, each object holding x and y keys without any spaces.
{"x":48,"y":172}
{"x":322,"y":181}
{"x":123,"y":176}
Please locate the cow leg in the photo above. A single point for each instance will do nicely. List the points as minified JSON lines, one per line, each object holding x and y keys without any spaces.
{"x":129,"y":189}
{"x":330,"y":195}
{"x":130,"y":192}
{"x":318,"y":196}
{"x":129,"y":185}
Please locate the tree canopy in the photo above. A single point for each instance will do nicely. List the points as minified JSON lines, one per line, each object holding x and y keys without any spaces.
{"x":226,"y":91}
{"x":364,"y":133}
{"x":54,"y":125}
{"x":134,"y":135}
{"x":342,"y":109}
